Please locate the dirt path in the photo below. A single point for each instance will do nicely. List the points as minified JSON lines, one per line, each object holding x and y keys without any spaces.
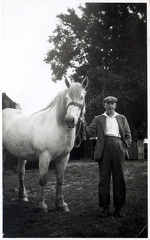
{"x":81,"y":194}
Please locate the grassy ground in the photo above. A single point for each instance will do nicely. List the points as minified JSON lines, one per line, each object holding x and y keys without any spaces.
{"x":81,"y":194}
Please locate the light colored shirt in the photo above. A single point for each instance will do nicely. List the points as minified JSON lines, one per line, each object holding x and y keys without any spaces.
{"x":112,"y":127}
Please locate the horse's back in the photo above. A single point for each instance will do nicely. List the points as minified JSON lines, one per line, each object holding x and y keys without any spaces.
{"x":16,"y":132}
{"x":10,"y":113}
{"x":11,"y":119}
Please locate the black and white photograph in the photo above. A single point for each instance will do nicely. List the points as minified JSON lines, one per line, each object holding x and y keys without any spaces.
{"x":74,"y":98}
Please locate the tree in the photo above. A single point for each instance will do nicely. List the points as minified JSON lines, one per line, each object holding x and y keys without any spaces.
{"x":108,"y":44}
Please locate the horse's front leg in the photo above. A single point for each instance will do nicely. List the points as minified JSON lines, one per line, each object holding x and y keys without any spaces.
{"x":44,"y":160}
{"x":60,"y":169}
{"x":21,"y":174}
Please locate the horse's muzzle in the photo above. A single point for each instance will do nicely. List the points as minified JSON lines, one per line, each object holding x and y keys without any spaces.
{"x":70,"y":121}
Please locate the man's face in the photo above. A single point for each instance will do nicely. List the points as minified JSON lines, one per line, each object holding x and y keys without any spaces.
{"x":110,"y":106}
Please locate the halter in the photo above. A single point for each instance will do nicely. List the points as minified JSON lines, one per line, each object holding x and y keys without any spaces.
{"x":77,"y":105}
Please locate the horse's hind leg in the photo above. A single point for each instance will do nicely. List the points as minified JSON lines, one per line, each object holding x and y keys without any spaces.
{"x":60,"y":169}
{"x":21,"y":174}
{"x":4,"y":158}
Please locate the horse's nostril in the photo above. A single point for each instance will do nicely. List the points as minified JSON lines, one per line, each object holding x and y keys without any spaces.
{"x":70,"y":121}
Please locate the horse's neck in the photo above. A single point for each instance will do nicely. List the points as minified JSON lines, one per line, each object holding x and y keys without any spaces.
{"x":45,"y":116}
{"x":49,"y":116}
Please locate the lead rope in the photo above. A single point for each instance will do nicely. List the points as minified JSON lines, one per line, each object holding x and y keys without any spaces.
{"x":80,"y":132}
{"x":77,"y":141}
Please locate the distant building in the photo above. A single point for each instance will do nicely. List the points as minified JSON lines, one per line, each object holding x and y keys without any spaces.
{"x":8,"y":103}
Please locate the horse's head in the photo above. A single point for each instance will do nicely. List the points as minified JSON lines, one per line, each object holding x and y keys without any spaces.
{"x":75,"y":102}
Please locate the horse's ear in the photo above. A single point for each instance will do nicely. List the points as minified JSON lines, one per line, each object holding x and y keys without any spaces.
{"x":67,"y":83}
{"x":85,"y":82}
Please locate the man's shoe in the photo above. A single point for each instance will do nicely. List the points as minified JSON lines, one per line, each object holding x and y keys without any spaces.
{"x":105,"y":213}
{"x":118,"y":213}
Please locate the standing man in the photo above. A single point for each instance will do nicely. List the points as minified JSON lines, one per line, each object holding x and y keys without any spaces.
{"x":113,"y":138}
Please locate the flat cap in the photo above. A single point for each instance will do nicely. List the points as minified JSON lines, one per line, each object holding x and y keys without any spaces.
{"x":110,"y":99}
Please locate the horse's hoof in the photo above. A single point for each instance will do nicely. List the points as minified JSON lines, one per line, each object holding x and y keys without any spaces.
{"x":63,"y":209}
{"x":66,"y":209}
{"x":23,"y":199}
{"x":42,"y":207}
{"x":41,"y":210}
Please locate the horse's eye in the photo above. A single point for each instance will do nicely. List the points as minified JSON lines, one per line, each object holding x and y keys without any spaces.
{"x":81,"y":97}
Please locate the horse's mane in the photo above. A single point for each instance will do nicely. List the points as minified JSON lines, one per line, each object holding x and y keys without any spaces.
{"x":60,"y":102}
{"x":75,"y":90}
{"x":61,"y":109}
{"x":59,"y":98}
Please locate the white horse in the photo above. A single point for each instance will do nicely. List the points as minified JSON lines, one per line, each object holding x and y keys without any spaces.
{"x":47,"y":135}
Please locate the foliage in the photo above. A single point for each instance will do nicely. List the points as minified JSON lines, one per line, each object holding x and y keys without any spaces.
{"x":107,"y":44}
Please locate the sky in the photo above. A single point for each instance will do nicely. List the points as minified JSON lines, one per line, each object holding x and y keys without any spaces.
{"x":25,"y":28}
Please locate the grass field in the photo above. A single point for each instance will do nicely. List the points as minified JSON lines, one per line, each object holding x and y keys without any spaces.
{"x":20,"y":220}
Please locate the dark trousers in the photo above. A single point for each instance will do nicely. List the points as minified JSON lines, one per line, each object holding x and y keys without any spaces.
{"x":112,"y":163}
